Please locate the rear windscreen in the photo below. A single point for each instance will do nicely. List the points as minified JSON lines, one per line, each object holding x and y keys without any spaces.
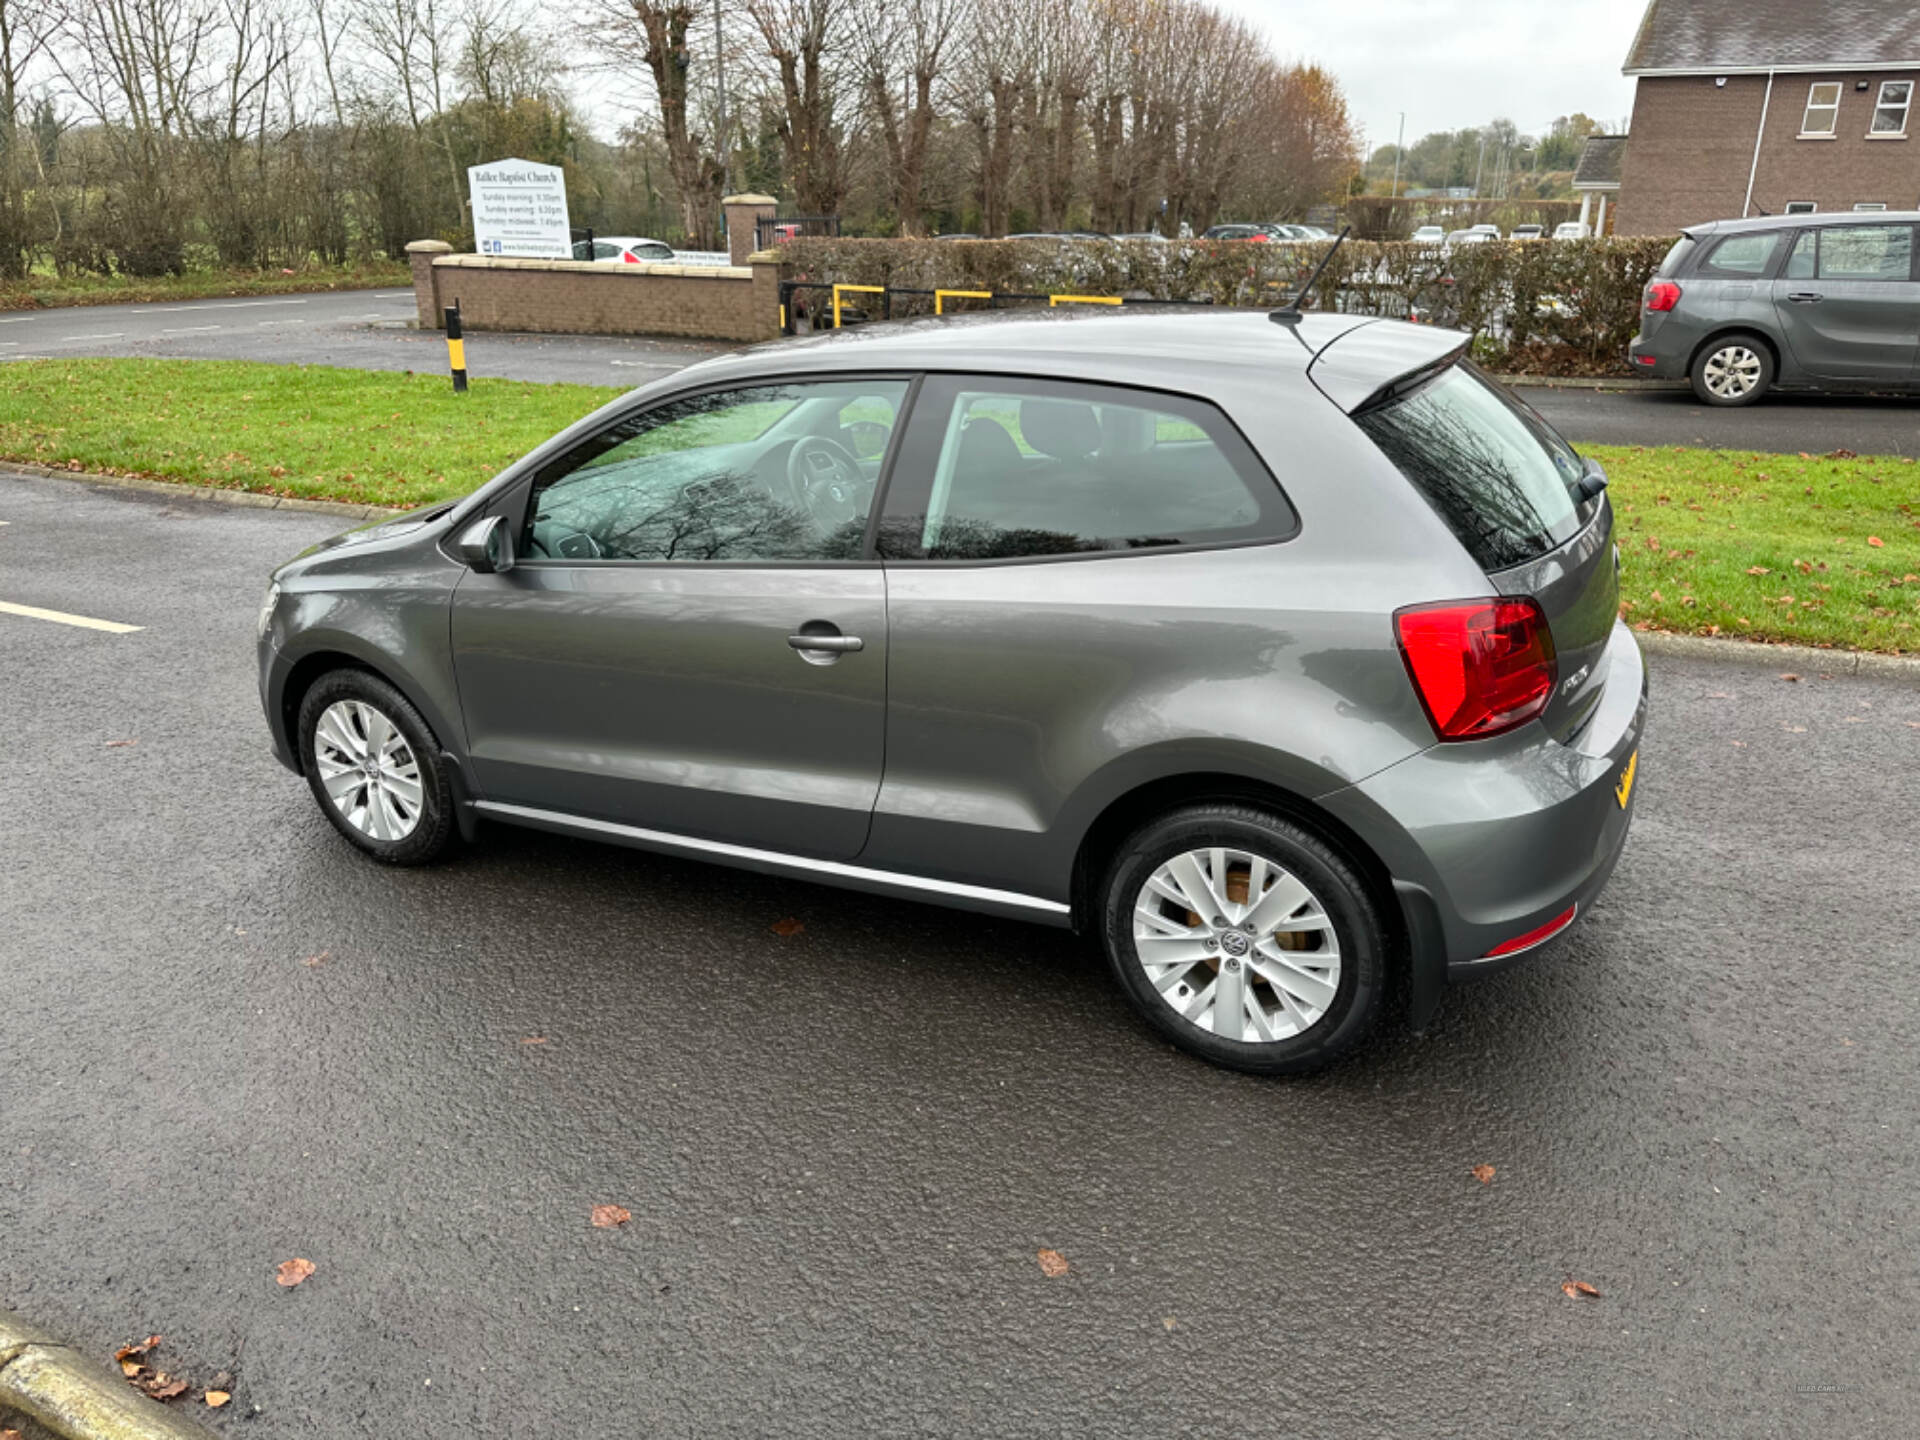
{"x":1494,"y":470}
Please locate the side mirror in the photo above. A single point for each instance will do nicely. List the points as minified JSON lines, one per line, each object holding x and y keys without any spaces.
{"x":487,"y":546}
{"x":1593,"y":481}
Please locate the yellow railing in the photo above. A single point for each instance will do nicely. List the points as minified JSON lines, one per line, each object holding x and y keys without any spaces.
{"x":852,"y":289}
{"x":940,"y":297}
{"x":1053,"y":300}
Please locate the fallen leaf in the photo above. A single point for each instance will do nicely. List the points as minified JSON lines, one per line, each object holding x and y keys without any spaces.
{"x":1719,"y":695}
{"x":131,"y":1368}
{"x":1052,"y":1264}
{"x":164,"y":1387}
{"x":1167,"y":1321}
{"x":1792,"y":678}
{"x":120,"y":744}
{"x":1577,"y":1288}
{"x":1795,"y":729}
{"x":1484,"y":1174}
{"x":292,"y":1272}
{"x":1758,"y":570}
{"x":137,"y":1349}
{"x":217,"y":1398}
{"x":313,"y":961}
{"x":609,"y":1217}
{"x":1876,"y":542}
{"x":533,"y":1040}
{"x":788,"y":926}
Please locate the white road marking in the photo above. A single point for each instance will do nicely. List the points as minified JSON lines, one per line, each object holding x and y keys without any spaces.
{"x":190,"y":330}
{"x":212,"y":305}
{"x":280,"y":322}
{"x":640,"y":364}
{"x":76,"y":339}
{"x":60,"y":617}
{"x":18,"y":319}
{"x":396,"y":295}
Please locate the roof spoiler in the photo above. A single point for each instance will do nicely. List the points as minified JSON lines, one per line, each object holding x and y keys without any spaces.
{"x":1289,"y":313}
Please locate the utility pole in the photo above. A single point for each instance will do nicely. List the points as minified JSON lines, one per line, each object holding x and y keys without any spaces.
{"x":1399,"y":145}
{"x":1479,"y":164}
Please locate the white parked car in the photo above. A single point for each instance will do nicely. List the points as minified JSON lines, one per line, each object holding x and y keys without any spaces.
{"x":625,"y":249}
{"x":1528,"y":232}
{"x":1571,"y":230}
{"x":1429,"y":235}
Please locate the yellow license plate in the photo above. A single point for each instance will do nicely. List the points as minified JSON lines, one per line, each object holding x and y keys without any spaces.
{"x":1624,"y":790}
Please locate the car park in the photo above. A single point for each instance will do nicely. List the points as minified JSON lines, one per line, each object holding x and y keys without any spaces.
{"x":1282,"y":659}
{"x":1257,"y":233}
{"x":1739,"y":308}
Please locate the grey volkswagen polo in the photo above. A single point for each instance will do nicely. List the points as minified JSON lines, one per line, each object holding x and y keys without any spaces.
{"x":1284,"y":659}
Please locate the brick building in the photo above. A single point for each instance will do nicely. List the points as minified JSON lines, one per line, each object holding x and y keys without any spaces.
{"x":1771,"y":106}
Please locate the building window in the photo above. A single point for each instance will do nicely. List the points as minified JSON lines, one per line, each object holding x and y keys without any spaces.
{"x":1823,"y":108}
{"x":1802,"y":207}
{"x":1890,"y":115}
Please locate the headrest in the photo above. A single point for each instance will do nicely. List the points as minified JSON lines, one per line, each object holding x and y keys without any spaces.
{"x":1064,"y":429}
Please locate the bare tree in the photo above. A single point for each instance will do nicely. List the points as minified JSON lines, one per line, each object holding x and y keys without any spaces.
{"x":803,"y":39}
{"x":905,"y":40}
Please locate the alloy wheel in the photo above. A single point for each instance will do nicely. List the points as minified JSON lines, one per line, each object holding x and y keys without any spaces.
{"x":1237,"y":945}
{"x":368,"y":769}
{"x":1733,"y":372}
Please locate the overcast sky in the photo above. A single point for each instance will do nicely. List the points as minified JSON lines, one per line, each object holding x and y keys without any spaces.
{"x":1454,"y":63}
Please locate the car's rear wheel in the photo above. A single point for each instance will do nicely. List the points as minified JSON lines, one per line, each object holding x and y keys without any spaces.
{"x":1245,"y":939}
{"x":375,"y":768}
{"x":1733,"y":370}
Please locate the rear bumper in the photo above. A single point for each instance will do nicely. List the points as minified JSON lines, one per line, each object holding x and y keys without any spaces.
{"x":1499,"y":837}
{"x":1658,"y":358}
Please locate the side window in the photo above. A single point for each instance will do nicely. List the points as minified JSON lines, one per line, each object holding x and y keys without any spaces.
{"x":602,"y":250}
{"x":767,"y":472}
{"x":1000,"y":469}
{"x":1866,"y":252}
{"x":1804,"y":263}
{"x":1744,"y":257}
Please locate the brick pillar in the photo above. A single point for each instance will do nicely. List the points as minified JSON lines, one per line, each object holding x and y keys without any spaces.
{"x":741,"y":211}
{"x":426,"y":297}
{"x":767,"y":275}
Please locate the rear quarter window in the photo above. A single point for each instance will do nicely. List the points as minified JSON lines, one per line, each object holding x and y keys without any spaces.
{"x":1741,"y":257}
{"x":1676,"y":257}
{"x":1492,"y":469}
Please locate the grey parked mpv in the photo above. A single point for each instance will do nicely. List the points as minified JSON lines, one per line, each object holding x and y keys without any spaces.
{"x":1282,"y":657}
{"x":1801,"y":302}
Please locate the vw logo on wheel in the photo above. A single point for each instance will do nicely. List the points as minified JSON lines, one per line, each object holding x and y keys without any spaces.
{"x":1234,"y":943}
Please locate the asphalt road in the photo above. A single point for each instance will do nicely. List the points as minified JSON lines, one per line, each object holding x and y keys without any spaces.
{"x":226,"y":1041}
{"x":359,"y":329}
{"x":1786,"y":424}
{"x":371,"y":329}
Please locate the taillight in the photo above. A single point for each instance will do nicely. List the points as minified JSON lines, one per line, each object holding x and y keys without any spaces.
{"x":1662,"y":295}
{"x":1539,"y":936}
{"x":1481,"y":667}
{"x":628,"y":257}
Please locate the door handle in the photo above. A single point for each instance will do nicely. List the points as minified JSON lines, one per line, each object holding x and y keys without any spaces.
{"x":1806,"y":297}
{"x":834,"y":644}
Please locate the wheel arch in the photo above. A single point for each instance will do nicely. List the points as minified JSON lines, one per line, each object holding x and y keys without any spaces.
{"x":1128,"y":812}
{"x":1727,"y":332}
{"x":323,"y":659}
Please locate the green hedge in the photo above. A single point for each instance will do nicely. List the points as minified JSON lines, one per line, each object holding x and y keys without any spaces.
{"x":1562,"y":306}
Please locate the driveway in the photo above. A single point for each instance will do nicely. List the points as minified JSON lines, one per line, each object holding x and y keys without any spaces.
{"x":229,"y":1042}
{"x":1784,"y":424}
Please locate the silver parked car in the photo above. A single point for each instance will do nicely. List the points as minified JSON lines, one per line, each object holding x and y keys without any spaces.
{"x":1282,"y":658}
{"x":1802,"y":302}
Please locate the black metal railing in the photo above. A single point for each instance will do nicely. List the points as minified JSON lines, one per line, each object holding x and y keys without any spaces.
{"x":770,"y":230}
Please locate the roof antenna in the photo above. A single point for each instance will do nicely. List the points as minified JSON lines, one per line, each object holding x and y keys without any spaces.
{"x":1289,"y":313}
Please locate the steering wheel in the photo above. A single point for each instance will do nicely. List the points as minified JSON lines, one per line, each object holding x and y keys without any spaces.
{"x":827,"y":482}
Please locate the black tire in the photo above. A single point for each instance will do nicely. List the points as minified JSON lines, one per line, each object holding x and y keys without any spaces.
{"x":1355,"y":915}
{"x":434,"y":827}
{"x":1732,"y":370}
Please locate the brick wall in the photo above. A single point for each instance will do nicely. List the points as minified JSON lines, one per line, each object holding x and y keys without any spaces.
{"x":1693,"y":141}
{"x":582,"y":298}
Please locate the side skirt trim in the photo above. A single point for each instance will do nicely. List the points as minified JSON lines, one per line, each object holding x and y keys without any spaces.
{"x":798,"y":865}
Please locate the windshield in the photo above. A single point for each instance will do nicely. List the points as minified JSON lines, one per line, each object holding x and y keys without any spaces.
{"x":1496,"y":473}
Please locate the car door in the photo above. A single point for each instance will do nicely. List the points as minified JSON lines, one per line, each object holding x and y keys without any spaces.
{"x":691,"y":639}
{"x":1849,"y":304}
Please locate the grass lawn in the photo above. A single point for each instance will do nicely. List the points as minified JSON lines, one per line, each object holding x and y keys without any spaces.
{"x":1763,"y":547}
{"x":362,"y":435}
{"x":1811,"y":549}
{"x":40,"y":292}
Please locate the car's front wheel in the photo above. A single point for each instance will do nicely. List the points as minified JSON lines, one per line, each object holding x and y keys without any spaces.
{"x":375,"y":768}
{"x":1245,"y":939}
{"x":1733,"y":370}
